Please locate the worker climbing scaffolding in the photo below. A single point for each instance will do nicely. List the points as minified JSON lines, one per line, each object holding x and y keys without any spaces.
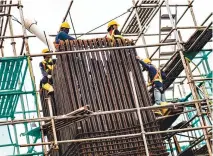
{"x":63,"y":33}
{"x":113,"y":32}
{"x":156,"y":77}
{"x":47,"y":66}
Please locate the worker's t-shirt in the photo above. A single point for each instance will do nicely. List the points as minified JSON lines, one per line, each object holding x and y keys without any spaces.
{"x":63,"y":36}
{"x":152,"y":72}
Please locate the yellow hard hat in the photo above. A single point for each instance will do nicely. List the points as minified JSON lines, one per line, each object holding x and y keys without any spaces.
{"x":45,"y":50}
{"x":147,"y":60}
{"x":65,"y":25}
{"x":112,"y":23}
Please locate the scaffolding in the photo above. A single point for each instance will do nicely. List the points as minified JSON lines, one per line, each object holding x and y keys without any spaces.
{"x":185,"y":131}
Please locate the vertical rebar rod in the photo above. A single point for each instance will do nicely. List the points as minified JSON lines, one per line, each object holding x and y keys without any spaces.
{"x":53,"y":123}
{"x":140,"y":27}
{"x":139,"y":114}
{"x":189,"y":77}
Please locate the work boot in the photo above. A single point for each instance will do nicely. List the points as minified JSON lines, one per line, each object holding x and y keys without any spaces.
{"x":164,"y":111}
{"x":49,"y":88}
{"x":157,"y":113}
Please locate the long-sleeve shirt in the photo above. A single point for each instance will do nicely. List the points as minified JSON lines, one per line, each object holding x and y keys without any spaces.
{"x":63,"y":36}
{"x":45,"y":71}
{"x":152,"y":72}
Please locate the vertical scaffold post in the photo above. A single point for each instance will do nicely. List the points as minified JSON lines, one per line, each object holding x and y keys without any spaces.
{"x":189,"y":78}
{"x":192,"y":13}
{"x":53,"y":123}
{"x":20,"y":6}
{"x":139,"y":114}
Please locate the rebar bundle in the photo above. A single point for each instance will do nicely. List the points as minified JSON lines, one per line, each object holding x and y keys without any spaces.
{"x":102,"y":81}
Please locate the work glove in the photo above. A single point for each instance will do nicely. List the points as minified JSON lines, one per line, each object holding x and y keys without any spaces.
{"x":49,"y":76}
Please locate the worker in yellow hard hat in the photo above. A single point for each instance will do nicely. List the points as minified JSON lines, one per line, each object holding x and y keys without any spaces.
{"x":113,"y":32}
{"x":46,"y":67}
{"x":156,"y":77}
{"x":64,"y":33}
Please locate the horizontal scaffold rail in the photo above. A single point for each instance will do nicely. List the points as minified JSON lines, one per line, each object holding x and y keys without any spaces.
{"x":62,"y":117}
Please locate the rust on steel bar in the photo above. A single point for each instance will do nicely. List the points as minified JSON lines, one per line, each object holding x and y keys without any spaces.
{"x":119,"y":136}
{"x":64,"y":19}
{"x":99,"y":78}
{"x":104,"y":49}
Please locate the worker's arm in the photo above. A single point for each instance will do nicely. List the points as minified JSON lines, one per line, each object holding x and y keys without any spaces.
{"x":43,"y":72}
{"x":145,"y":65}
{"x":63,"y":36}
{"x":163,"y":75}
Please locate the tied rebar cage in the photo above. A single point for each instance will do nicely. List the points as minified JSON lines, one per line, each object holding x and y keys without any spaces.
{"x":105,"y":107}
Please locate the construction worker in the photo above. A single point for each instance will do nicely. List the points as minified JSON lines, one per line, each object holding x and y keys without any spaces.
{"x":156,"y":78}
{"x":46,"y":67}
{"x":63,"y":33}
{"x":113,"y":32}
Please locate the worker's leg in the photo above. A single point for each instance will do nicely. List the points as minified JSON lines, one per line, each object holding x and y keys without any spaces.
{"x":163,"y":97}
{"x":157,"y":95}
{"x":46,"y":85}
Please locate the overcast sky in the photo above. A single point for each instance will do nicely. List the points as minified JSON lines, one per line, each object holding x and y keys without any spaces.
{"x":86,"y":15}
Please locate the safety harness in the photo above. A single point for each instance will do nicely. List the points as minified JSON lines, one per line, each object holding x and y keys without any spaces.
{"x":111,"y":35}
{"x":157,"y":77}
{"x":48,"y":66}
